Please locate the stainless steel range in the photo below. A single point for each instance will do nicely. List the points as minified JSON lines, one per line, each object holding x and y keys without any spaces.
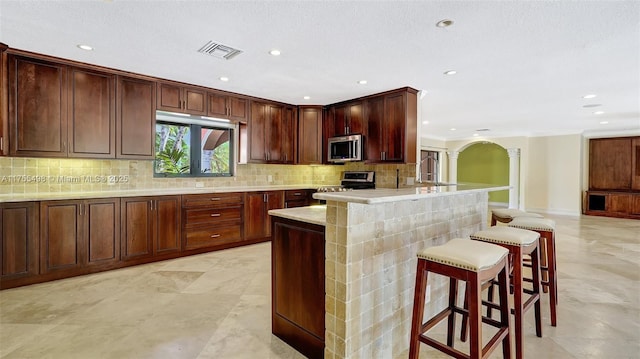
{"x":352,"y":180}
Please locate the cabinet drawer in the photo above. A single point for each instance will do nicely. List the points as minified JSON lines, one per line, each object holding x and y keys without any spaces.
{"x":212,"y":215}
{"x":212,"y":199}
{"x":212,"y":236}
{"x":296,"y":195}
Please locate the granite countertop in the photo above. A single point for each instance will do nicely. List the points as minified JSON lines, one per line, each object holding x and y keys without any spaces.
{"x":45,"y":196}
{"x":312,"y":214}
{"x":384,"y":195}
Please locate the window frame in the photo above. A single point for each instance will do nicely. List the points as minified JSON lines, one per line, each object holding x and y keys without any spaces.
{"x":195,"y":125}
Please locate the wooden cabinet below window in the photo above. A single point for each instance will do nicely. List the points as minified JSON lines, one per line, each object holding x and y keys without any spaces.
{"x":19,"y":238}
{"x":211,"y":220}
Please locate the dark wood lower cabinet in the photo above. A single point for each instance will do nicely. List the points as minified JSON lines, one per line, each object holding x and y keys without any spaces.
{"x":19,"y":241}
{"x":298,"y":285}
{"x":150,"y":227}
{"x":612,"y":204}
{"x":257,"y":225}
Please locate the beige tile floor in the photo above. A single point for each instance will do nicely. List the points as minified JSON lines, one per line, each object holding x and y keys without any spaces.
{"x":217,"y":305}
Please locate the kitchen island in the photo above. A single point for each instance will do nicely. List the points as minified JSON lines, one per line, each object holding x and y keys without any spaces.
{"x":371,"y":241}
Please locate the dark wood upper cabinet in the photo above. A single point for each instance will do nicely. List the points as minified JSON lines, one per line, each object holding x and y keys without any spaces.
{"x":221,"y":105}
{"x":310,"y":135}
{"x":92,"y":114}
{"x":610,"y":163}
{"x":60,"y":111}
{"x":37,"y":107}
{"x":271,"y":133}
{"x":391,"y":134}
{"x":348,"y":118}
{"x":136,"y":116}
{"x":19,"y":234}
{"x":178,"y":98}
{"x":4,"y":115}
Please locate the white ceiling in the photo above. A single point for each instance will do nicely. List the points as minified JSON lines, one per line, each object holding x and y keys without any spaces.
{"x":523,"y":67}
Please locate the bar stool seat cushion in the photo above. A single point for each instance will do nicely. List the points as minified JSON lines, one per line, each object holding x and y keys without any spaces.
{"x":533,"y":224}
{"x":513,"y":213}
{"x":507,"y":235}
{"x":465,"y":254}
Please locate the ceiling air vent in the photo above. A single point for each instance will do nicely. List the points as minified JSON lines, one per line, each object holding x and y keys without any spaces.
{"x":218,"y":50}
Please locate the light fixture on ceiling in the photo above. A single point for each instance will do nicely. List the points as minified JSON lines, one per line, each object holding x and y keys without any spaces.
{"x":604,"y":122}
{"x":589,"y":96}
{"x":475,"y":135}
{"x":224,"y":78}
{"x":444,"y":23}
{"x":598,"y":113}
{"x":452,"y":129}
{"x":362,"y":82}
{"x":274,"y":52}
{"x":425,"y":122}
{"x":307,"y":97}
{"x":450,"y":72}
{"x":85,"y":47}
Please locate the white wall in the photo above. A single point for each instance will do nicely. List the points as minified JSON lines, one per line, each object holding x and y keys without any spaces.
{"x":554,"y":174}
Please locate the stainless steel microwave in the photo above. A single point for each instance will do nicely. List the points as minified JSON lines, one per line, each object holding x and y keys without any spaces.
{"x":345,"y":148}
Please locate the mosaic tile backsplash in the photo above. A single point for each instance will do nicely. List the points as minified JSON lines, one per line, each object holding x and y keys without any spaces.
{"x":52,"y":175}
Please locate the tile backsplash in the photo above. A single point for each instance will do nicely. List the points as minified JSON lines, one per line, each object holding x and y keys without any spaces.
{"x":20,"y":175}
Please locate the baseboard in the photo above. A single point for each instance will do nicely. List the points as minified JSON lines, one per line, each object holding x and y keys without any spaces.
{"x":561,"y":212}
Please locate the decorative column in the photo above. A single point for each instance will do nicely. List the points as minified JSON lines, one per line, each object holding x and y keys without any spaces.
{"x":453,"y":166}
{"x":514,"y":177}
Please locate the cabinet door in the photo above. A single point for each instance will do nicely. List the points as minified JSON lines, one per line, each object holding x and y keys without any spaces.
{"x":19,"y":240}
{"x":273,"y":131}
{"x":167,"y":224}
{"x":102,"y":218}
{"x":61,"y":246}
{"x":136,"y":115}
{"x":619,"y":203}
{"x":609,"y":160}
{"x":92,"y":125}
{"x":217,"y":105}
{"x":238,"y":109}
{"x":356,"y":118}
{"x":4,"y":115}
{"x":255,"y":215}
{"x":310,"y":135}
{"x":169,"y":97}
{"x":275,"y":200}
{"x":635,"y":164}
{"x":635,"y":205}
{"x":373,"y":138}
{"x":289,"y":129}
{"x":37,"y":108}
{"x":136,"y":229}
{"x":195,"y":101}
{"x":340,"y":120}
{"x":257,"y":133}
{"x":393,"y":133}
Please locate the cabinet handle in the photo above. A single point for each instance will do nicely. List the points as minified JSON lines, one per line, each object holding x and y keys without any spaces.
{"x":265,"y":198}
{"x":80,"y":210}
{"x":215,"y":235}
{"x":215,"y":199}
{"x":1,"y":145}
{"x":64,"y":146}
{"x":216,"y":215}
{"x":297,"y":194}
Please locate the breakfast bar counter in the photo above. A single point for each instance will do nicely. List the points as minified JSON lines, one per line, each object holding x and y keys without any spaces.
{"x":371,"y":238}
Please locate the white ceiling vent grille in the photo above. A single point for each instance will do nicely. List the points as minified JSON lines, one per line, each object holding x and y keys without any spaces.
{"x":220,"y":51}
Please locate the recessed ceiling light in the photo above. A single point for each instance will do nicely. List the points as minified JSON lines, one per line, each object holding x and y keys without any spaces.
{"x":274,"y":52}
{"x":598,"y":112}
{"x":475,"y":135}
{"x":450,"y":72}
{"x":306,"y":97}
{"x":85,"y":47}
{"x":224,"y":78}
{"x":589,"y":96}
{"x":425,"y":122}
{"x":604,"y":122}
{"x":452,"y":129}
{"x":362,"y":82}
{"x":592,"y":105}
{"x":444,"y":23}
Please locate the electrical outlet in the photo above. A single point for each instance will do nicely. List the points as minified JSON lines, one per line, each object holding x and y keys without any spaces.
{"x":269,"y":178}
{"x":199,"y":184}
{"x":410,"y":181}
{"x":428,"y":297}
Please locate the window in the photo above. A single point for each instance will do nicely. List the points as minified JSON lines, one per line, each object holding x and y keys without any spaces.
{"x":191,"y":146}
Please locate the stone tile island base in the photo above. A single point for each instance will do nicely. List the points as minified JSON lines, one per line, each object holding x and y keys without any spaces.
{"x":371,"y":263}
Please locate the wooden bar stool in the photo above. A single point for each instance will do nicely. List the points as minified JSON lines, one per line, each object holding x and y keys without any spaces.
{"x":548,"y":267}
{"x":506,"y":215}
{"x":474,"y":263}
{"x":519,"y":242}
